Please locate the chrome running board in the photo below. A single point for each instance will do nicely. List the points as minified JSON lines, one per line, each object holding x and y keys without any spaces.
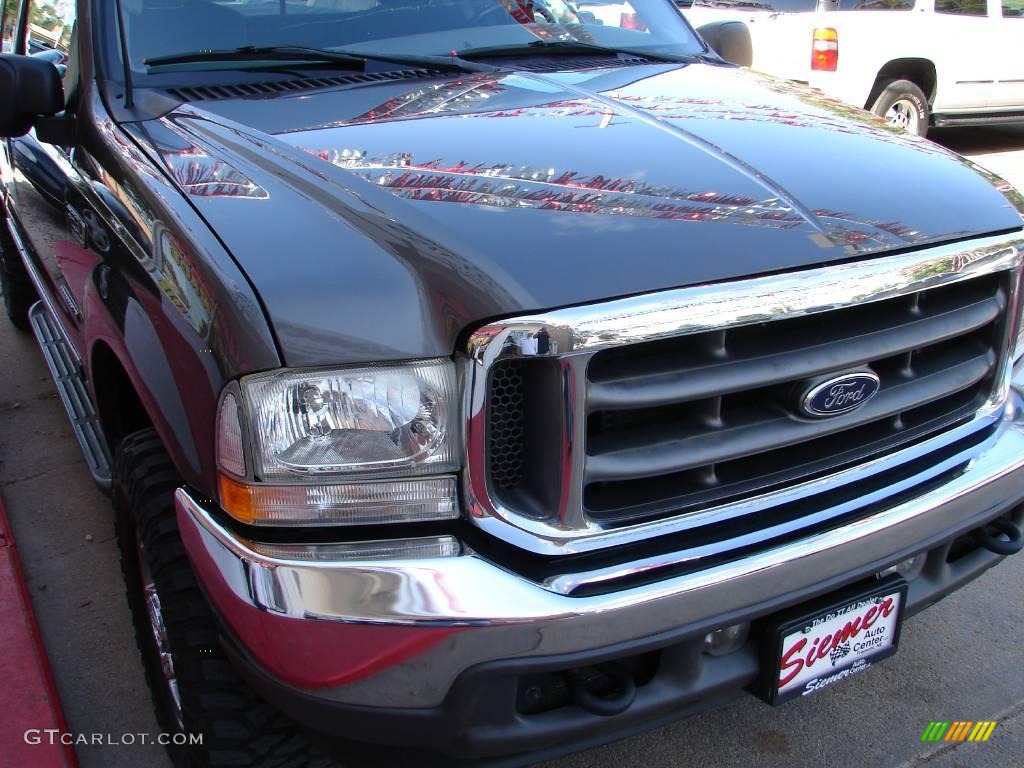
{"x":73,"y":393}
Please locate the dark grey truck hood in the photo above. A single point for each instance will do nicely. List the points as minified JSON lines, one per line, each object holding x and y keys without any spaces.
{"x":380,"y":221}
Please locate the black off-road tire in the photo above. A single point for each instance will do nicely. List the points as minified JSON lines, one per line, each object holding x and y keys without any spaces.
{"x":238,"y":728}
{"x":19,"y":293}
{"x":908,"y":95}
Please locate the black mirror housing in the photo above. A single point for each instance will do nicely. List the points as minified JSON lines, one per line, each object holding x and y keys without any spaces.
{"x":29,"y":88}
{"x":730,"y":40}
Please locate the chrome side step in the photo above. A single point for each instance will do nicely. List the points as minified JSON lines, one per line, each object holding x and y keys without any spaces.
{"x":951,"y":121}
{"x":73,"y":393}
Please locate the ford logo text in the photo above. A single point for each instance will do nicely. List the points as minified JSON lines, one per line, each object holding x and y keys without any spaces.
{"x":841,"y":394}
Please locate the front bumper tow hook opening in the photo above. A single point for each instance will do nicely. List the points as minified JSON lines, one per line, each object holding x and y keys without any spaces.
{"x":988,"y":536}
{"x":586,"y":683}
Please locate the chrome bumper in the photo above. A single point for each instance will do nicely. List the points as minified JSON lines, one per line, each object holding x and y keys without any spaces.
{"x":398,"y":633}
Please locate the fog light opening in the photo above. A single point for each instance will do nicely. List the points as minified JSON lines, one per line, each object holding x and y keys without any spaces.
{"x":722,"y":642}
{"x":607,"y":689}
{"x":909,"y":569}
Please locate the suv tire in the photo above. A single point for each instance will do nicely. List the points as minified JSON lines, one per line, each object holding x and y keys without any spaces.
{"x":19,"y":293}
{"x":238,"y":728}
{"x":902,"y":104}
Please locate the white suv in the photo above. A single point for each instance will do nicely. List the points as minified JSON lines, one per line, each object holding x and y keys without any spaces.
{"x":929,"y":62}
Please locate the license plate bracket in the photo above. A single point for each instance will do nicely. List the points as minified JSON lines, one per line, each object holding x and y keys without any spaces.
{"x":828,"y":640}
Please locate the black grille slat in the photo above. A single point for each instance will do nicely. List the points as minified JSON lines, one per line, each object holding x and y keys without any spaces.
{"x":643,"y":498}
{"x":656,"y":389}
{"x":649,"y":457}
{"x":696,"y":421}
{"x":685,"y":423}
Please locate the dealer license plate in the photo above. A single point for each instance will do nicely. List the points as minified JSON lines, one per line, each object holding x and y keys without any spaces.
{"x":833,"y":643}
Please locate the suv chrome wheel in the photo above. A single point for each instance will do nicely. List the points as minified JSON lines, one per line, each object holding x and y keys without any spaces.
{"x":903,"y":105}
{"x":159,"y":631}
{"x":178,"y":635}
{"x":903,"y":114}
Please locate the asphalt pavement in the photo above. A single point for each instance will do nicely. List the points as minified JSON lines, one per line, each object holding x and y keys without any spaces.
{"x":960,"y":660}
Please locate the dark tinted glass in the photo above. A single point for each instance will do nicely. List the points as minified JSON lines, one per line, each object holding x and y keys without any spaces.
{"x":8,"y":17}
{"x":159,"y":28}
{"x":876,"y":5}
{"x":784,"y":6}
{"x":797,"y":6}
{"x":962,"y":7}
{"x":1013,"y":8}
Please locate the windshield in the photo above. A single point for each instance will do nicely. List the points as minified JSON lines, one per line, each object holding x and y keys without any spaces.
{"x":167,"y":28}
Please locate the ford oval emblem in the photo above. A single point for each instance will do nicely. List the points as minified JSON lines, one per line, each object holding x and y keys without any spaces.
{"x":840,"y":394}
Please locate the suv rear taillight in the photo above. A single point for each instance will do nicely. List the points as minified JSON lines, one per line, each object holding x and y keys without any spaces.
{"x":825,"y":50}
{"x":632,"y":21}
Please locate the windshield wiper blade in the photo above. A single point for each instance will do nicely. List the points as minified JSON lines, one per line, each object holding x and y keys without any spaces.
{"x":297,"y":55}
{"x":568,"y":48}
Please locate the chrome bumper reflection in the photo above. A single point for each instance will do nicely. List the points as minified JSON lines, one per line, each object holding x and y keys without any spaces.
{"x":469,"y":591}
{"x":427,"y":621}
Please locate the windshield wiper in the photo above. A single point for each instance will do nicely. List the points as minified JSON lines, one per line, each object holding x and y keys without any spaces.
{"x":575,"y":48}
{"x":297,"y":55}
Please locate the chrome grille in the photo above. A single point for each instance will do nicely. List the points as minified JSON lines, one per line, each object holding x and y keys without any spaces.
{"x":674,"y":412}
{"x":690,"y":422}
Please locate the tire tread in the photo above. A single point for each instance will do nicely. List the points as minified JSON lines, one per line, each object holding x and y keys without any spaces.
{"x":238,"y":727}
{"x":889,"y":91}
{"x":19,"y":293}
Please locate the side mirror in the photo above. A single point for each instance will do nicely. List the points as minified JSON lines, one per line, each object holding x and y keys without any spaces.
{"x":730,"y":40}
{"x":30,"y":88}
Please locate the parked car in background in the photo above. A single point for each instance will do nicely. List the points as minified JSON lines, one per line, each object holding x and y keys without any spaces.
{"x":915,"y":63}
{"x":611,"y":13}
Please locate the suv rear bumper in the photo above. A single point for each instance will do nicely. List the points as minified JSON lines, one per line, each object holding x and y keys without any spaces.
{"x":430,"y":652}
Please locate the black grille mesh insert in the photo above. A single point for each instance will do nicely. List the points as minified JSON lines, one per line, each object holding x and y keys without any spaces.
{"x":505,"y":421}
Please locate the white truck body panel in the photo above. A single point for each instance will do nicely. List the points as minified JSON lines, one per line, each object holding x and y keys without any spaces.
{"x":977,"y":59}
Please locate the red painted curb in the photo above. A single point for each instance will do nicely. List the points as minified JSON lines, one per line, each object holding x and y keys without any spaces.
{"x":28,"y":697}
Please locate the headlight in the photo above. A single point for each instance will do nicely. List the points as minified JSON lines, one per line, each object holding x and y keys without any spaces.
{"x":394,"y":419}
{"x":322,"y":442}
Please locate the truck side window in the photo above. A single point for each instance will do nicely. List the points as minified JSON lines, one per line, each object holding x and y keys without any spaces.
{"x":962,"y":7}
{"x":7,"y":24}
{"x":876,"y":5}
{"x":50,"y":23}
{"x":1013,"y":8}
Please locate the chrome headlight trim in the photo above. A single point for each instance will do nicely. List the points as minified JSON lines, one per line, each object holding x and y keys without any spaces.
{"x":419,"y":487}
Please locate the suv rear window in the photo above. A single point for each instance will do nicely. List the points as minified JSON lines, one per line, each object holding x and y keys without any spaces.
{"x":962,"y":7}
{"x":876,"y":5}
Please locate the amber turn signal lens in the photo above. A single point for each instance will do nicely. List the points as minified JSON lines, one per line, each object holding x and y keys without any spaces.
{"x":401,"y":500}
{"x":236,"y":499}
